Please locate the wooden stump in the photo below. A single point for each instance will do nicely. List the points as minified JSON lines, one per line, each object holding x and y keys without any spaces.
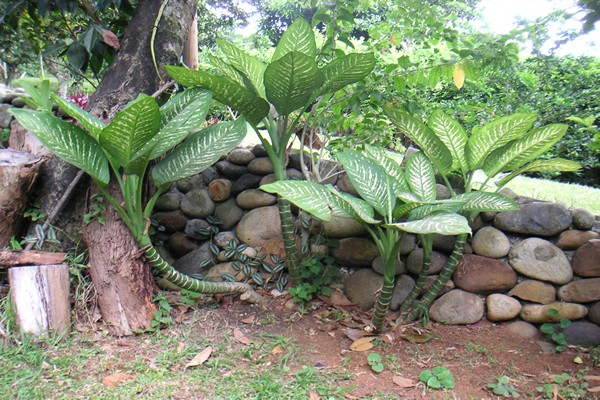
{"x":18,"y":171}
{"x":40,"y":298}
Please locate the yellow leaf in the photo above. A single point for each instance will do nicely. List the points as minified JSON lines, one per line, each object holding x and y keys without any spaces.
{"x":362,"y":344}
{"x":458,"y":76}
{"x":578,"y":360}
{"x":277,"y":350}
{"x":200,"y":358}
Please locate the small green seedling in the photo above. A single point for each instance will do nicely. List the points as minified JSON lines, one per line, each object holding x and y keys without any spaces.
{"x":554,"y":331}
{"x":375,"y":363}
{"x":438,"y":378}
{"x":503,"y":388}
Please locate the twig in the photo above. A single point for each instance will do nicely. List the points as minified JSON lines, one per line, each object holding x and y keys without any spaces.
{"x":163,"y":88}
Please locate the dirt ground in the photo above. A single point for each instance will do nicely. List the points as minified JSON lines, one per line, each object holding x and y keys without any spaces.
{"x":476,"y":354}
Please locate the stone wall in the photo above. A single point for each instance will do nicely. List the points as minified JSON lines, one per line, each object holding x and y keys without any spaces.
{"x":518,"y":265}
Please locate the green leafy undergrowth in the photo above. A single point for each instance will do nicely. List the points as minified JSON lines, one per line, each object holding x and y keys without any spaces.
{"x":437,"y":378}
{"x":317,"y":273}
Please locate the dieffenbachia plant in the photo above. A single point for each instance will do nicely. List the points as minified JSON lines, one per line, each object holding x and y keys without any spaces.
{"x":142,"y":132}
{"x":502,"y":149}
{"x":388,"y":193}
{"x":274,"y":98}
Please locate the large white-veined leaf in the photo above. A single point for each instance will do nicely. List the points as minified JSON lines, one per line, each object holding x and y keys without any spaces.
{"x":423,"y":137}
{"x":354,"y":208}
{"x":313,"y":198}
{"x":370,"y":180}
{"x":453,"y":135}
{"x":182,"y":114}
{"x":441,"y":206}
{"x":441,"y":223}
{"x":199,"y":151}
{"x":521,"y":151}
{"x":291,"y":80}
{"x":556,"y":164}
{"x":67,"y":141}
{"x":421,"y":177}
{"x":346,"y":70}
{"x":486,"y":202}
{"x":251,"y":67}
{"x":300,"y":37}
{"x":391,"y":162}
{"x":225,"y":90}
{"x":496,"y":134}
{"x":131,"y":129}
{"x":91,"y":124}
{"x":227,"y":69}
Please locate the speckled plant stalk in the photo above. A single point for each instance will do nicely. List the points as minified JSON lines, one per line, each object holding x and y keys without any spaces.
{"x":427,"y":245}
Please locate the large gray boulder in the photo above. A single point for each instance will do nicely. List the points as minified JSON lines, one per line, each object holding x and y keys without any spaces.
{"x":537,"y":218}
{"x":539,"y":259}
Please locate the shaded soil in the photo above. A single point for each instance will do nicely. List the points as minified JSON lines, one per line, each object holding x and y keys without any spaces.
{"x":476,"y":355}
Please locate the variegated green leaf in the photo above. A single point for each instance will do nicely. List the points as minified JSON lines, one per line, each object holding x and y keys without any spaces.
{"x":313,"y":198}
{"x":421,"y":177}
{"x":227,"y":70}
{"x":199,"y":151}
{"x":353,"y":207}
{"x":181,"y":115}
{"x":446,"y":206}
{"x":251,"y":67}
{"x":453,"y":135}
{"x":67,"y":141}
{"x":346,"y":70}
{"x":402,"y":209}
{"x":299,"y":37}
{"x":486,"y":202}
{"x":556,"y":164}
{"x":496,"y":134}
{"x":391,"y":162}
{"x":521,"y":151}
{"x":291,"y":80}
{"x":441,"y":223}
{"x":131,"y":130}
{"x":225,"y":90}
{"x":423,"y":137}
{"x":91,"y":124}
{"x":370,"y":181}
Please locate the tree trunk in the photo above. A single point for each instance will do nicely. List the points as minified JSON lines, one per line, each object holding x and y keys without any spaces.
{"x":18,"y":172}
{"x":124,"y":284}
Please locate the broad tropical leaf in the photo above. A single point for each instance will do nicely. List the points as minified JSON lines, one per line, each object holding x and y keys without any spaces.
{"x":228,"y":70}
{"x":346,"y":70}
{"x":91,"y":124}
{"x":298,"y":37}
{"x":251,"y":67}
{"x":199,"y":152}
{"x":521,"y":151}
{"x":556,"y":164}
{"x":225,"y":90}
{"x":370,"y":180}
{"x":486,"y":202}
{"x":131,"y":130}
{"x":391,"y":162}
{"x":353,"y":207}
{"x":181,"y":115}
{"x":421,"y":177}
{"x":444,"y":206}
{"x":423,"y":137}
{"x":291,"y":80}
{"x":453,"y":135}
{"x":442,"y":223}
{"x":313,"y":198}
{"x":496,"y":134}
{"x":67,"y":141}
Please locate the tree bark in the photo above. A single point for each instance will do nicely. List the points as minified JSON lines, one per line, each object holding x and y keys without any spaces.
{"x":18,"y":172}
{"x":123,"y":282}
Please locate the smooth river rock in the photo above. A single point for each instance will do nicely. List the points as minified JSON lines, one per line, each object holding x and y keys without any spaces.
{"x":169,"y":201}
{"x":490,"y":242}
{"x":582,"y":333}
{"x":539,"y":259}
{"x":261,"y":166}
{"x":583,"y":219}
{"x":259,"y":225}
{"x":228,"y":213}
{"x":477,"y":274}
{"x":538,"y":313}
{"x":339,"y":227}
{"x":501,"y":307}
{"x":414,"y":262}
{"x":586,"y":260}
{"x":190,"y":264}
{"x":197,"y":203}
{"x":580,"y":291}
{"x":355,"y":252}
{"x":537,"y":218}
{"x":241,"y":156}
{"x":219,"y":189}
{"x":534,"y":291}
{"x":254,"y":198}
{"x":379,"y":267}
{"x":362,"y":286}
{"x":402,"y":288}
{"x":573,"y":239}
{"x":457,"y":307}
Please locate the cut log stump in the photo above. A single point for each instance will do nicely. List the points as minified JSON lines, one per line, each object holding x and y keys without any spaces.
{"x":40,"y":298}
{"x":18,"y":171}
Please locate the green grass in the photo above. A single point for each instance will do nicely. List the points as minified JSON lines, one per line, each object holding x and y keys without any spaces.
{"x":570,"y":195}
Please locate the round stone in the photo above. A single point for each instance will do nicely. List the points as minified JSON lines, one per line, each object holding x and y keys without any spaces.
{"x":230,"y":170}
{"x":501,"y":307}
{"x":197,"y":229}
{"x":586,"y":260}
{"x":362,"y":286}
{"x":259,"y":225}
{"x":573,"y":239}
{"x":534,"y":291}
{"x":222,"y":239}
{"x":192,"y":262}
{"x":402,"y":288}
{"x":583,"y":219}
{"x":240,"y":156}
{"x":407,"y":244}
{"x":344,"y":185}
{"x":540,"y":314}
{"x":539,"y":259}
{"x":355,"y":252}
{"x":414,"y":262}
{"x":339,"y":227}
{"x":582,"y":333}
{"x":220,"y":189}
{"x":254,"y":198}
{"x":171,"y":221}
{"x":580,"y":291}
{"x":379,"y":267}
{"x":179,"y":244}
{"x":477,"y":274}
{"x":524,"y":329}
{"x":197,"y":203}
{"x":457,"y":307}
{"x":443,"y":243}
{"x":261,"y":166}
{"x":215,"y":273}
{"x":490,"y":242}
{"x":594,"y":313}
{"x":228,"y":213}
{"x":244,"y":182}
{"x":537,"y":218}
{"x":169,"y":201}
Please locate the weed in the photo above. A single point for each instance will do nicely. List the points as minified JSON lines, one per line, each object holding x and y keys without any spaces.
{"x":375,"y":363}
{"x":503,"y":388}
{"x":595,"y":356}
{"x":317,"y":273}
{"x":554,"y":331}
{"x":96,"y":208}
{"x":565,"y":386}
{"x":162,"y":316}
{"x":437,"y":378}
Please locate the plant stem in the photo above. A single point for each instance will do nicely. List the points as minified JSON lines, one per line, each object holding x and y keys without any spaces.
{"x":390,"y":242}
{"x":427,"y":245}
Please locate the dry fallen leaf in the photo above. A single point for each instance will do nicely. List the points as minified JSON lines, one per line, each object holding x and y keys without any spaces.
{"x":248,"y":320}
{"x":353,"y":334}
{"x":239,"y":336}
{"x":362,"y":344}
{"x":313,"y":396}
{"x":200,"y":358}
{"x":277,"y":350}
{"x":404,"y":382}
{"x":116,"y":379}
{"x":110,"y":39}
{"x":417,"y":337}
{"x":180,"y":347}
